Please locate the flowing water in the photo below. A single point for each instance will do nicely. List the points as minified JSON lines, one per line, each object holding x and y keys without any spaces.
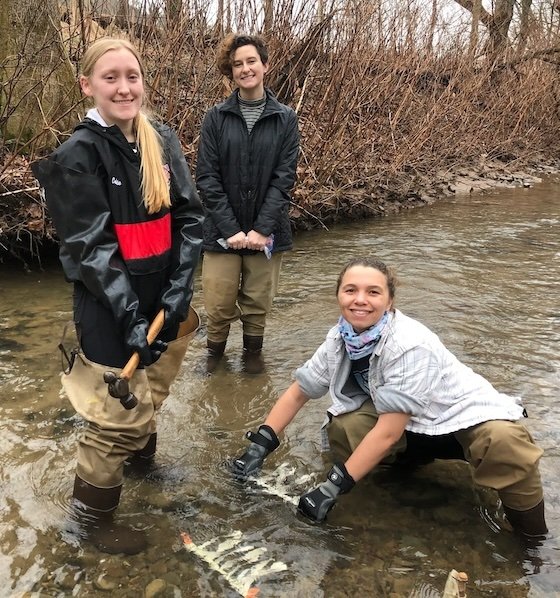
{"x":483,"y":272}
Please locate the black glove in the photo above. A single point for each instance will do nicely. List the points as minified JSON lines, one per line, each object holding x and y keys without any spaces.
{"x":138,"y":342}
{"x":318,"y":502}
{"x":150,"y":354}
{"x":262,"y":444}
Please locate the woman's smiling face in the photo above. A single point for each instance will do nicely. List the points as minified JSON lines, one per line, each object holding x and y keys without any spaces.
{"x":363,"y":296}
{"x":116,"y":87}
{"x":248,"y":72}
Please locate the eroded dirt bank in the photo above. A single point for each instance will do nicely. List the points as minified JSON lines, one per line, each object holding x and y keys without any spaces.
{"x":27,"y":234}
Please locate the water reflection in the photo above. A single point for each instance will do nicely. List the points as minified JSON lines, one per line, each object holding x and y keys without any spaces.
{"x":482,"y":272}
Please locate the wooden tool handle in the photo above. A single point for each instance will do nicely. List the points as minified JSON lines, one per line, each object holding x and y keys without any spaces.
{"x":153,"y":331}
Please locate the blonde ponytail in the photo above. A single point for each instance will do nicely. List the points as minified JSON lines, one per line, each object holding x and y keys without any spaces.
{"x":154,"y":183}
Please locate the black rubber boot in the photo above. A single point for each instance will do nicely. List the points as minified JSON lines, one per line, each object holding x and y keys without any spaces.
{"x":252,"y":354}
{"x":94,"y":508}
{"x":530,"y":524}
{"x":215,"y":354}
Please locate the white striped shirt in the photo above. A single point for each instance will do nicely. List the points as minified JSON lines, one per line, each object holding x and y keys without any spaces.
{"x":411,"y":371}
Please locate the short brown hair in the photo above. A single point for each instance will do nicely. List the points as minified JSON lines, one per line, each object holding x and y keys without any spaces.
{"x":231,"y":43}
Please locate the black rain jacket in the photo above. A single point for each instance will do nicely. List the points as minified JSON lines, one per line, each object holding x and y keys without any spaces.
{"x":132,"y":262}
{"x":245,"y":180}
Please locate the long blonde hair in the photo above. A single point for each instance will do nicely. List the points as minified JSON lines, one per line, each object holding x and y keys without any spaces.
{"x":154,"y":184}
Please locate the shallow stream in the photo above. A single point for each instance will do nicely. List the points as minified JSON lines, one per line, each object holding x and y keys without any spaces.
{"x":483,"y":272}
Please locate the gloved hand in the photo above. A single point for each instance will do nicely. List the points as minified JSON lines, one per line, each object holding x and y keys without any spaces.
{"x":262,"y":444}
{"x":316,"y":503}
{"x":138,"y":342}
{"x":150,"y":354}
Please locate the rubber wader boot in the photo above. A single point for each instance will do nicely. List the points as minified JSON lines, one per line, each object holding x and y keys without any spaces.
{"x":141,"y":461}
{"x":215,"y":353}
{"x":252,"y":354}
{"x":94,"y":508}
{"x":530,"y":524}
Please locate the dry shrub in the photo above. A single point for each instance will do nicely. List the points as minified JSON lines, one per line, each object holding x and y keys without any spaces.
{"x":389,"y":95}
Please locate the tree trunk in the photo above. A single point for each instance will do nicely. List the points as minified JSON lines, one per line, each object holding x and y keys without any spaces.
{"x":497,"y":23}
{"x":433,"y":23}
{"x":38,"y":81}
{"x":219,"y":29}
{"x":321,"y":10}
{"x":473,"y":41}
{"x":268,"y":16}
{"x":524,"y":25}
{"x":499,"y":28}
{"x":122,"y":16}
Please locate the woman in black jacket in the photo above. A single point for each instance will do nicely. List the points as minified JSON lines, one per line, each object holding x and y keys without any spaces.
{"x":246,"y":169}
{"x":129,"y":219}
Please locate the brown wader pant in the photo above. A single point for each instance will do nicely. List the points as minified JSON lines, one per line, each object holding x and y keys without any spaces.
{"x":502,"y":453}
{"x":113,"y":433}
{"x":238,"y":287}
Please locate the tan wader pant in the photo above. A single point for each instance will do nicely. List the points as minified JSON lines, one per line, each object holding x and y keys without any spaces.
{"x":238,"y":287}
{"x":113,"y":433}
{"x":502,"y":453}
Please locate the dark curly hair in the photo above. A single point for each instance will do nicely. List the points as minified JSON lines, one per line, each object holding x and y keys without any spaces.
{"x":231,"y":43}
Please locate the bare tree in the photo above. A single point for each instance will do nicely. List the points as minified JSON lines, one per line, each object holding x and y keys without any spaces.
{"x":4,"y":31}
{"x":524,"y":25}
{"x":432,"y":27}
{"x":122,"y":17}
{"x":268,"y":15}
{"x":219,"y":29}
{"x":38,"y":80}
{"x":473,"y":41}
{"x":321,"y":10}
{"x":497,"y":23}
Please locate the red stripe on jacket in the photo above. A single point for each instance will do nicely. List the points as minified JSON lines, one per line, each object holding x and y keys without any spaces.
{"x":144,"y":239}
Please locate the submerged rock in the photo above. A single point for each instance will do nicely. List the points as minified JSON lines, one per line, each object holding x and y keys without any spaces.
{"x":155,"y":588}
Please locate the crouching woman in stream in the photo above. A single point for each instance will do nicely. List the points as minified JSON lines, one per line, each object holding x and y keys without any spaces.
{"x":398,"y":395}
{"x":129,"y":221}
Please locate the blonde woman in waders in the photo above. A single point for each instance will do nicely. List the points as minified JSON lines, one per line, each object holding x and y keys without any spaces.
{"x":129,"y":219}
{"x":400,"y":396}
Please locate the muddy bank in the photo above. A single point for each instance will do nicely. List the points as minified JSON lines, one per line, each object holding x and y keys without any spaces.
{"x":27,"y":234}
{"x":411,"y":189}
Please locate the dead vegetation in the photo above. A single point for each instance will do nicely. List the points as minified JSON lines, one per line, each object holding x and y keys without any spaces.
{"x":392,"y":100}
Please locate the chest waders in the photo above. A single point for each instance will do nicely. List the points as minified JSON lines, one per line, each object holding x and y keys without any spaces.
{"x":113,"y":435}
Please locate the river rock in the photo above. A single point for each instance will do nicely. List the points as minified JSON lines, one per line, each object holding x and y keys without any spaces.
{"x":402,"y":586}
{"x":104,"y":584}
{"x":172,"y":578}
{"x":174,"y":591}
{"x":462,"y":186}
{"x":449,"y":515}
{"x":88,"y":560}
{"x":159,"y":500}
{"x":159,"y":568}
{"x":66,"y":580}
{"x":155,"y":588}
